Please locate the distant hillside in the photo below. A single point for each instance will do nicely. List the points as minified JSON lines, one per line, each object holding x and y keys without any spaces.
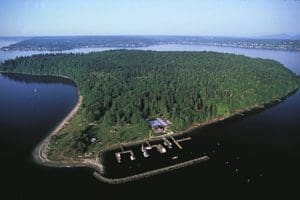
{"x":280,"y":37}
{"x":295,"y":37}
{"x":75,"y":42}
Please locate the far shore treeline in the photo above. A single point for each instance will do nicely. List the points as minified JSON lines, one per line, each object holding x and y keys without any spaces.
{"x":123,"y":88}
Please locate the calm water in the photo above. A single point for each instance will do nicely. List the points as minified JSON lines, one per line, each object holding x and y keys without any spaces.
{"x":261,"y":149}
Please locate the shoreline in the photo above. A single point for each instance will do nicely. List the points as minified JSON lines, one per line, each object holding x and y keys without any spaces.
{"x":40,"y":153}
{"x":67,"y":51}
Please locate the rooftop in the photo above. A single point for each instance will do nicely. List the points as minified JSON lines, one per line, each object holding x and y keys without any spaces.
{"x":158,"y":122}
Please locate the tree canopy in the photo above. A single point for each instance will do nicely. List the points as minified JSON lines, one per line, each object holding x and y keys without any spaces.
{"x":123,"y":88}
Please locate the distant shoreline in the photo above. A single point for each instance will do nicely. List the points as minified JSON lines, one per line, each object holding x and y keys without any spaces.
{"x":67,"y":43}
{"x":107,"y":48}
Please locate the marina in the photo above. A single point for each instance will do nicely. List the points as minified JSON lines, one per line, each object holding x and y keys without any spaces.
{"x":146,"y":147}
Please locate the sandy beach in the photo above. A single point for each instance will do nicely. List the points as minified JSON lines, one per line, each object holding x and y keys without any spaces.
{"x":40,"y":153}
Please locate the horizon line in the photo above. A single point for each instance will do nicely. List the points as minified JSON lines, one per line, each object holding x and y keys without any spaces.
{"x":152,"y":35}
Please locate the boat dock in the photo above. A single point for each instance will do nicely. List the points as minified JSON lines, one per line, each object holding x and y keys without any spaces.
{"x":177,"y":142}
{"x":123,"y":152}
{"x":167,"y":142}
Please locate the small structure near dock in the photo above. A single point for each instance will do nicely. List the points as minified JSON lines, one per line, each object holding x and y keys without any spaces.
{"x":159,"y":125}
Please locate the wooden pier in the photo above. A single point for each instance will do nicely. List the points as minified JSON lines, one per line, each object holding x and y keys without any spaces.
{"x":160,"y":148}
{"x":178,"y":141}
{"x":145,"y":150}
{"x":123,"y":152}
{"x":184,"y":139}
{"x":167,"y":141}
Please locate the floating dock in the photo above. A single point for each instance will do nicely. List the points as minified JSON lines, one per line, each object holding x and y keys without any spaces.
{"x":145,"y":150}
{"x":160,"y":148}
{"x":123,"y":152}
{"x":167,"y":141}
{"x":177,"y":142}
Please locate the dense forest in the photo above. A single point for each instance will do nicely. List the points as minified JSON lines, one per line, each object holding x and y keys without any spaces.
{"x":123,"y":88}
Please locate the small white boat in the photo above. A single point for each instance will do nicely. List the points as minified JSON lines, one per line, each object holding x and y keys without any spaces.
{"x":174,"y":157}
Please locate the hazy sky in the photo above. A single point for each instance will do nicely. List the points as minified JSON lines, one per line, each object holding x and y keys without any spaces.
{"x":172,"y":17}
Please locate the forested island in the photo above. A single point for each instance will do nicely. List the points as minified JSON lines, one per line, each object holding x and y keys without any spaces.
{"x":62,"y":43}
{"x":121,"y":89}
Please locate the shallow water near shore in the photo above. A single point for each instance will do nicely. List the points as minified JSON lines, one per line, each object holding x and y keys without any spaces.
{"x":260,"y":149}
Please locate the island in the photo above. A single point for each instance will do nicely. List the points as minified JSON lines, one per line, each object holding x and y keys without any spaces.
{"x":127,"y":96}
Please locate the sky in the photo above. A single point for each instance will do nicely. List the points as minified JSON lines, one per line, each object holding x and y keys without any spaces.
{"x":149,"y":17}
